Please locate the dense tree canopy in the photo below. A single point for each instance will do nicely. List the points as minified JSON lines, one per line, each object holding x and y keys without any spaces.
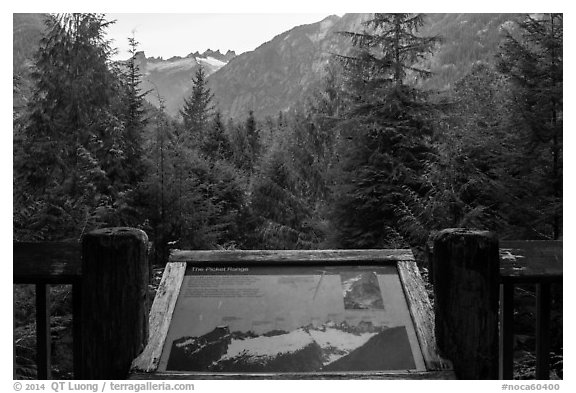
{"x":369,"y":159}
{"x":70,"y":157}
{"x":197,"y":109}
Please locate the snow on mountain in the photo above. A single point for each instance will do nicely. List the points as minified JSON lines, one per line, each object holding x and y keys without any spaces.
{"x":308,"y":348}
{"x":211,"y":61}
{"x":263,"y":346}
{"x":178,"y":64}
{"x":336,"y":343}
{"x":171,"y":66}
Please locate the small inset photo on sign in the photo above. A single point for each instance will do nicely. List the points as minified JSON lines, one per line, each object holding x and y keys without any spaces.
{"x":361,"y":291}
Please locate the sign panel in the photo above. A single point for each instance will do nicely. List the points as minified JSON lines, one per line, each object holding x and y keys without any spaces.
{"x":291,"y":319}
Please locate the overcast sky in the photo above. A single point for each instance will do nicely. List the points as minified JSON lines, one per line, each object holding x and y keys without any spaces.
{"x":170,"y":35}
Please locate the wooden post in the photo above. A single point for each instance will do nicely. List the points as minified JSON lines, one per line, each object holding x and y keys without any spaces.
{"x":114,"y":321}
{"x":465,"y":266}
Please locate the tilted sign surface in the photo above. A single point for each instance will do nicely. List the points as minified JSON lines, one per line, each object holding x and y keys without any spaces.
{"x":291,"y":319}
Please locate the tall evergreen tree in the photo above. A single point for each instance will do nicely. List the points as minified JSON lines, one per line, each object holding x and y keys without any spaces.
{"x":253,"y":136}
{"x":532,"y":56}
{"x":74,"y":85}
{"x":134,"y":119}
{"x":163,"y":136}
{"x":197,"y":109}
{"x":386,"y":132}
{"x":71,"y":142}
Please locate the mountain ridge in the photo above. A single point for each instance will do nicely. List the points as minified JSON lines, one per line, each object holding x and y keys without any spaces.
{"x":284,"y":70}
{"x":277,"y":75}
{"x":281,"y":71}
{"x":327,"y":347}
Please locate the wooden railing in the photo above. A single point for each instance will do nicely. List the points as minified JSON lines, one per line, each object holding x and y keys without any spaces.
{"x":109,"y":274}
{"x":528,"y":262}
{"x":43,"y":264}
{"x":474,"y":279}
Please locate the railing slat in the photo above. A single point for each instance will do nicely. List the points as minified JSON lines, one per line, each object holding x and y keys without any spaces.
{"x":531,"y":261}
{"x":506,"y":331}
{"x":76,"y":330}
{"x":46,"y":262}
{"x":543,"y":305}
{"x":43,"y":341}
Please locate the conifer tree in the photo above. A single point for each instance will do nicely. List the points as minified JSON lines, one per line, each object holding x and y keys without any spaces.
{"x":73,"y":86}
{"x":532,"y":57}
{"x":386,"y":132}
{"x":197,"y":109}
{"x":253,"y":137}
{"x":134,"y":120}
{"x":71,"y":142}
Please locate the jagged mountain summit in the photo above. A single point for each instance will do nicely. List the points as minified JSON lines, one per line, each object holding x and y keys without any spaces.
{"x":267,"y":80}
{"x":170,"y":79}
{"x":226,"y":57}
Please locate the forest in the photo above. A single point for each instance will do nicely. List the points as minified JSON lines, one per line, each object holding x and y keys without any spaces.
{"x":375,"y":158}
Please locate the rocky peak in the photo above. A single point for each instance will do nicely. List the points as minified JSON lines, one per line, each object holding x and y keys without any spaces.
{"x":211,"y":53}
{"x":230,"y":54}
{"x":140,"y":59}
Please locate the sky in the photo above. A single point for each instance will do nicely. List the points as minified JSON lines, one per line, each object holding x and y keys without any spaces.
{"x":168,"y":35}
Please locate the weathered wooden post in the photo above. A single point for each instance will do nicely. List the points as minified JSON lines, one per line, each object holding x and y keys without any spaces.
{"x":465,"y":266}
{"x":114,"y":321}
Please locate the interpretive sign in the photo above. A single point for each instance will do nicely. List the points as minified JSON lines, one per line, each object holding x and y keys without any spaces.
{"x":291,"y":319}
{"x":291,"y":314}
